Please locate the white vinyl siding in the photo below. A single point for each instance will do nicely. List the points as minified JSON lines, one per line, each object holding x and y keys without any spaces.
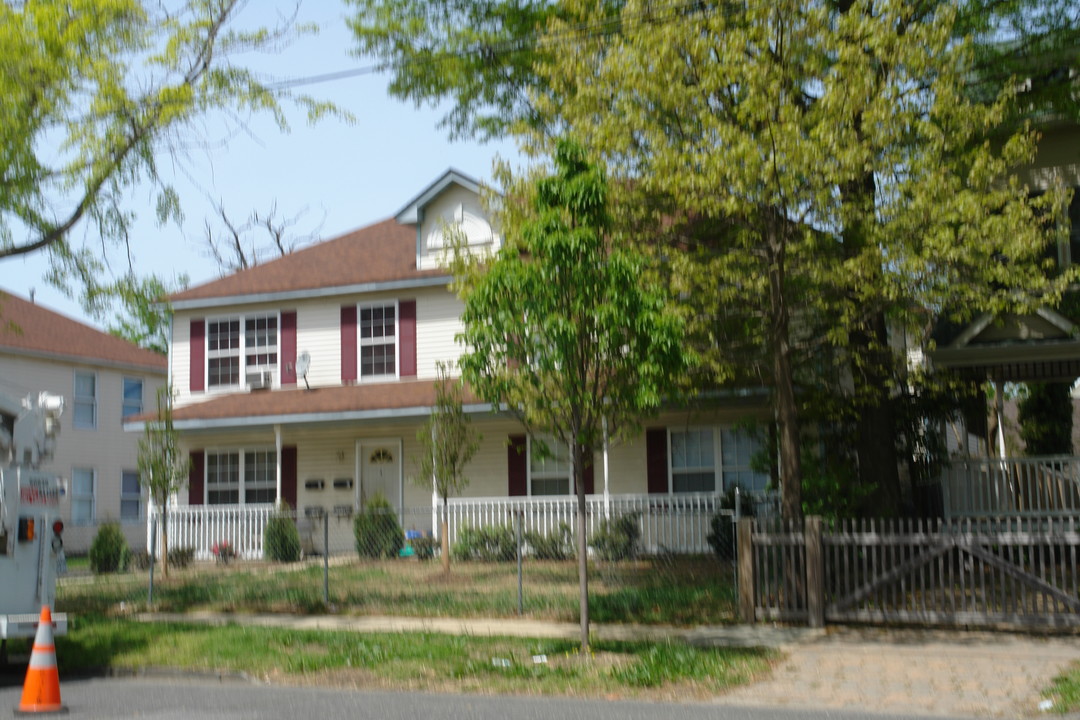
{"x":438,"y":322}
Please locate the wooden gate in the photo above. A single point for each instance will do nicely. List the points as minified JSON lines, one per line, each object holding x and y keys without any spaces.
{"x":1019,"y":571}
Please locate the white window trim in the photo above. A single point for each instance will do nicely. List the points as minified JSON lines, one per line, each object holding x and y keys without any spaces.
{"x":717,"y":471}
{"x":529,"y":470}
{"x":141,"y":496}
{"x":123,"y":399}
{"x":76,"y":398}
{"x":242,"y":350}
{"x":92,"y":496}
{"x":397,"y":342}
{"x":240,"y":479}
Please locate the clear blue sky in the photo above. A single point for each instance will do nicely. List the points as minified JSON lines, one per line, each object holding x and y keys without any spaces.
{"x":346,"y":176}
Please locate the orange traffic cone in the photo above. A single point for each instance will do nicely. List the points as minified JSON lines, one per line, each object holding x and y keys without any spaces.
{"x":41,"y":690}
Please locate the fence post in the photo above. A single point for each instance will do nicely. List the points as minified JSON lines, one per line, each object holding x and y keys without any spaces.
{"x":815,"y":572}
{"x":746,"y":569}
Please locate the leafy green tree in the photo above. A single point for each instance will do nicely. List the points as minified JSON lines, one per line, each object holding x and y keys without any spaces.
{"x":163,"y":467}
{"x":447,"y":444}
{"x":842,"y":179}
{"x":564,"y":326}
{"x":135,"y":309}
{"x":93,"y":91}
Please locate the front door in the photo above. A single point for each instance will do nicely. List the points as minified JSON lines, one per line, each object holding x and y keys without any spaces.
{"x":380,"y":470}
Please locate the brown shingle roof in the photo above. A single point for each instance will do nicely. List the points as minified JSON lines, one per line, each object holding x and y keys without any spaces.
{"x":305,"y":405}
{"x":383,"y":252}
{"x":29,"y":328}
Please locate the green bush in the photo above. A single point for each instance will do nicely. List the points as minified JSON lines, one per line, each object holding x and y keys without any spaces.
{"x":180,"y":558}
{"x":559,"y":545}
{"x":376,"y":528}
{"x":489,"y":544}
{"x":281,"y":539}
{"x":616,"y":538}
{"x":109,"y":549}
{"x":722,"y":535}
{"x":424,"y":547}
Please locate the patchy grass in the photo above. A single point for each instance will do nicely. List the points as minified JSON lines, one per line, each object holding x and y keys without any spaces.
{"x":1065,"y":690}
{"x":681,"y":591}
{"x":414,"y":661}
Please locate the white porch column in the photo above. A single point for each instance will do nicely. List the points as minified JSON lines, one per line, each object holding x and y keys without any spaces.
{"x":277,"y":447}
{"x":607,"y":489}
{"x":999,"y":409}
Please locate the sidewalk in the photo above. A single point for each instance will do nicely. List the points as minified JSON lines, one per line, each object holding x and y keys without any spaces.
{"x":898,"y":672}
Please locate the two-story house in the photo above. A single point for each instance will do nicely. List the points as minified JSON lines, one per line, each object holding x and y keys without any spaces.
{"x":307,"y":378}
{"x":104,"y":380}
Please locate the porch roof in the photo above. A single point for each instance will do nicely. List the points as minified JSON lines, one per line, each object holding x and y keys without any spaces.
{"x":402,"y":399}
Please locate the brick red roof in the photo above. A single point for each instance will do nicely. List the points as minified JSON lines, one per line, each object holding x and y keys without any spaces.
{"x":32,"y":329}
{"x":304,"y":405}
{"x":383,"y":252}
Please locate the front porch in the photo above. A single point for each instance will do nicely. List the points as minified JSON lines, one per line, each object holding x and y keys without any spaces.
{"x":1010,"y":487}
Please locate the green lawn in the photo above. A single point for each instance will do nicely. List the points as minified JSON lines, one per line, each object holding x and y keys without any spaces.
{"x":1065,"y":691}
{"x":683,"y":591}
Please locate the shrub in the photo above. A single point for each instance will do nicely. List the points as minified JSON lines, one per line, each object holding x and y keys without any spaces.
{"x":378,"y":534}
{"x":281,"y":539}
{"x":559,"y":545}
{"x":223,"y":552}
{"x":722,"y":535}
{"x":108,"y":550}
{"x":488,"y":544}
{"x":424,"y":547}
{"x":616,"y":538}
{"x":180,"y":558}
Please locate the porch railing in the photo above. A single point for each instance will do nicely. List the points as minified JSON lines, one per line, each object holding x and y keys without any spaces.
{"x":980,"y":487}
{"x":201,"y":527}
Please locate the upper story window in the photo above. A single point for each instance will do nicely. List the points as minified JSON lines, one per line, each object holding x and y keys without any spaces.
{"x":133,"y":397}
{"x":85,"y":400}
{"x":550,"y":468}
{"x":252,"y":339}
{"x":378,"y":339}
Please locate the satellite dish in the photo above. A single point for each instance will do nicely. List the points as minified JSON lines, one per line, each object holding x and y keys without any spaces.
{"x":303,"y":364}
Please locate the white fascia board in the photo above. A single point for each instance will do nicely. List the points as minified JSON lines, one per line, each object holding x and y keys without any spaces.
{"x":410,"y":213}
{"x":313,"y":418}
{"x":230,"y":300}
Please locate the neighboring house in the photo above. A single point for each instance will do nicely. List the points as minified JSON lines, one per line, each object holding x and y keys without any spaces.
{"x":103,"y":380}
{"x":306,"y":379}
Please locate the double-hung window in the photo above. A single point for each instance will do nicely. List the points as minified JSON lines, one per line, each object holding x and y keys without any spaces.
{"x":738,"y":449}
{"x":550,"y":468}
{"x":693,"y":460}
{"x":85,"y":415}
{"x":133,"y":397}
{"x":241,"y":476}
{"x":378,"y":340}
{"x":240,"y":346}
{"x":82,"y":495}
{"x":130,"y":496}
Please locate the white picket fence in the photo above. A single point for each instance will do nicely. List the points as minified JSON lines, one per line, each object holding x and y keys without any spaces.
{"x":202,"y":527}
{"x":1034,"y":486}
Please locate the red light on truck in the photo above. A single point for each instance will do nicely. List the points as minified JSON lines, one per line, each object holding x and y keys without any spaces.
{"x":58,"y":526}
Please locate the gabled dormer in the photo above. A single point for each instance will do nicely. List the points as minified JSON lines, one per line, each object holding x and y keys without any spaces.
{"x":450,"y":204}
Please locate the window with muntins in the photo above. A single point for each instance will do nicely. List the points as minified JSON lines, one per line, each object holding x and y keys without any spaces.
{"x":133,"y":397}
{"x":85,"y":415}
{"x":82,"y":496}
{"x":738,"y":449}
{"x":549,"y":467}
{"x":693,"y":461}
{"x":130,"y":496}
{"x":377,"y":338}
{"x":238,"y":346}
{"x":241,"y":476}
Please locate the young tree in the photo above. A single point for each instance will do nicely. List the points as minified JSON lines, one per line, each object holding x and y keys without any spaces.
{"x":565,"y":328}
{"x":834,"y":157}
{"x":447,"y":444}
{"x":94,"y":91}
{"x":163,"y":468}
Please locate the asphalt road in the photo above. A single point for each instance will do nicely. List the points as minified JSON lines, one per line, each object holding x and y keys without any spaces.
{"x":118,"y":699}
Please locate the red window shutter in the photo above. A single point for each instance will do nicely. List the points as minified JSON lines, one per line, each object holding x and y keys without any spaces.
{"x":287,"y":361}
{"x":348,"y":343}
{"x":517,"y":470}
{"x":656,"y":460}
{"x":197,"y":345}
{"x":407,"y":337}
{"x":288,"y":475}
{"x":196,"y":474}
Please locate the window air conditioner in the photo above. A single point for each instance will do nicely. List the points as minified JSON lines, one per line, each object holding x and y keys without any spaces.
{"x":260,"y":380}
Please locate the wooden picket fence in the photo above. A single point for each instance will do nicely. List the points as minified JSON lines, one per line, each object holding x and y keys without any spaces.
{"x":976,"y":571}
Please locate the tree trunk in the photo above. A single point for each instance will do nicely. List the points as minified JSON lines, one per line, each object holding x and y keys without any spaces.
{"x":582,"y":543}
{"x":444,"y":541}
{"x":787,"y":413}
